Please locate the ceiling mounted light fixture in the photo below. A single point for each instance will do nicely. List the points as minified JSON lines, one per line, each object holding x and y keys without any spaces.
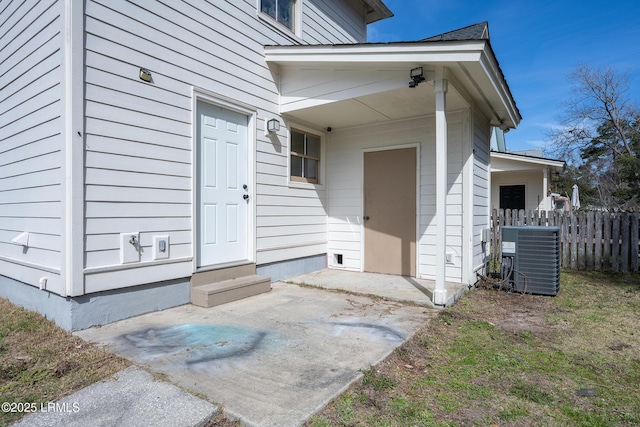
{"x":417,"y":76}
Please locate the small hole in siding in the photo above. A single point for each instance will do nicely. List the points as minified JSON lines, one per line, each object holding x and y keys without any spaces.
{"x":338,"y":258}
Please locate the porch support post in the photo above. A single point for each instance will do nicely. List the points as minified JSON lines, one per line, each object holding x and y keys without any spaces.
{"x":546,"y":197}
{"x":440,"y":88}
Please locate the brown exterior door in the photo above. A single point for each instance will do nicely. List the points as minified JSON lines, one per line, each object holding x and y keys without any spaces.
{"x":390,"y":211}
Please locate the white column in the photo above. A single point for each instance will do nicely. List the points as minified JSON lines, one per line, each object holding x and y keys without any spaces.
{"x":546,"y":198}
{"x":440,"y":293}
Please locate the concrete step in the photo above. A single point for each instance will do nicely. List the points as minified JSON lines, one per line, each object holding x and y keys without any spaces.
{"x":220,"y":274}
{"x":222,"y":292}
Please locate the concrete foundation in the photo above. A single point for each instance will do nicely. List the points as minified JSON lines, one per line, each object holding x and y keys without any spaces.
{"x":100,"y":308}
{"x":294,"y":267}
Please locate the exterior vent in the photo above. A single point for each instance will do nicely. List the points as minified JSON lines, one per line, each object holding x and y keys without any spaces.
{"x":531,"y":259}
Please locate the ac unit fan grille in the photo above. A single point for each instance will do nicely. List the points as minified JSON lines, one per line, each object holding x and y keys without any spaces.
{"x":536,"y":259}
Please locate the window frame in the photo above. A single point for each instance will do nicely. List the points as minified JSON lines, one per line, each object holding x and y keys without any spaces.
{"x":302,"y":180}
{"x":295,"y":18}
{"x":513,"y":188}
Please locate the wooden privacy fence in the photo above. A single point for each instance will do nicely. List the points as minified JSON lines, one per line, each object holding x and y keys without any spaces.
{"x":600,"y":241}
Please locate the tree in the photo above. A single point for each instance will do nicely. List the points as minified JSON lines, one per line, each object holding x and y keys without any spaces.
{"x":600,"y":132}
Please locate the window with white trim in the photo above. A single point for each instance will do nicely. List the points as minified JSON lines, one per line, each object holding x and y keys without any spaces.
{"x":305,"y":156}
{"x":282,"y":11}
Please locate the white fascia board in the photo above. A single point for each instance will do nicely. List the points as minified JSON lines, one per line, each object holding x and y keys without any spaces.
{"x":490,"y":65}
{"x":413,"y":53}
{"x":557,"y":164}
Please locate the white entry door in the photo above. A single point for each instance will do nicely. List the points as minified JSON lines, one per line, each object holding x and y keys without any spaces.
{"x":223,"y":192}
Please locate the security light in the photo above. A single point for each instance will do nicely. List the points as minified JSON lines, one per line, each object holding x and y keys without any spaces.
{"x":417,"y":76}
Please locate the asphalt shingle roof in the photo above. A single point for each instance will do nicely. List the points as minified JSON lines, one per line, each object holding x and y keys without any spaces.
{"x":478,"y":31}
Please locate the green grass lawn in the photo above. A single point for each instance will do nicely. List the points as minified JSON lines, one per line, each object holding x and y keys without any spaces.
{"x":40,"y":363}
{"x":498,"y":359}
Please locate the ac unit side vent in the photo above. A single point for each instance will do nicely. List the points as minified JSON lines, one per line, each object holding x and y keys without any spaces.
{"x":535,"y":258}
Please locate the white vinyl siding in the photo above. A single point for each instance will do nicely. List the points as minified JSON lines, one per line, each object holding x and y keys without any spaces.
{"x":30,"y":141}
{"x":455,"y":202}
{"x":334,"y":22}
{"x":531,"y":179}
{"x":344,"y":180}
{"x":481,"y":186}
{"x":139,"y":135}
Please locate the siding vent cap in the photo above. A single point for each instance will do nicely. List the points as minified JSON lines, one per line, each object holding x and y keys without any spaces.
{"x":145,"y":75}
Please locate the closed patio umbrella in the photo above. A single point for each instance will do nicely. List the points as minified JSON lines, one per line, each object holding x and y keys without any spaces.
{"x":575,"y":197}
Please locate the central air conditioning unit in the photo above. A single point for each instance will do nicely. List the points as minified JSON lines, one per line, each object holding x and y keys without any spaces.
{"x":531,"y":259}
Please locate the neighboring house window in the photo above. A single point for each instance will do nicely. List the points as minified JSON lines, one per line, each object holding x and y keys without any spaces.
{"x":283,"y":11}
{"x":512,"y":197}
{"x":305,"y":156}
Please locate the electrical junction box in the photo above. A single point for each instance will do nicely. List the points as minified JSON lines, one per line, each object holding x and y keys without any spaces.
{"x":531,"y":259}
{"x":160,"y":247}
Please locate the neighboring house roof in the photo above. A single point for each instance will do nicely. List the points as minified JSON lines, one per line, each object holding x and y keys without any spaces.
{"x":376,"y":11}
{"x":508,"y":162}
{"x":497,"y":140}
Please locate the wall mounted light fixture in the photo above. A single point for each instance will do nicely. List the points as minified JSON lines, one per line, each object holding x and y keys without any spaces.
{"x":417,"y":76}
{"x":273,"y":125}
{"x":145,"y":75}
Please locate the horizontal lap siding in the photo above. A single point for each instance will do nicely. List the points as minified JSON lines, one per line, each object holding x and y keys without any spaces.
{"x":481,"y":186}
{"x":345,"y":171}
{"x":427,"y":247}
{"x":328,"y":22}
{"x":533,"y":187}
{"x":139,"y":135}
{"x":291,"y":222}
{"x":31,"y":191}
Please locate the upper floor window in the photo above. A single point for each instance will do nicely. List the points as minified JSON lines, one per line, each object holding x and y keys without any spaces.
{"x":283,"y":11}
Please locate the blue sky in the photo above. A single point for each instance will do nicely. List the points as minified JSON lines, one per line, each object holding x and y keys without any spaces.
{"x":537,"y":42}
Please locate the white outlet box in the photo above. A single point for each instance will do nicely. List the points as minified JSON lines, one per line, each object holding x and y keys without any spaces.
{"x":160,"y":247}
{"x":129,"y":247}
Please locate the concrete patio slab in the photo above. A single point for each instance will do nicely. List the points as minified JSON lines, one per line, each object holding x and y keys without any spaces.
{"x":270,"y":360}
{"x":132,"y":397}
{"x":395,"y":288}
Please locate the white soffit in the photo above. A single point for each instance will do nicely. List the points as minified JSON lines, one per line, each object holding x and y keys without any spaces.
{"x":469,"y":62}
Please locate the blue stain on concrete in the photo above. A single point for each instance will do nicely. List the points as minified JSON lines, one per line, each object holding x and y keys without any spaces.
{"x":379,"y":331}
{"x":196,"y":343}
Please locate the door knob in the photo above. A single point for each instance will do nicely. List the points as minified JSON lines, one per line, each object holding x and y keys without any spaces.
{"x":366,"y":218}
{"x":245,"y":196}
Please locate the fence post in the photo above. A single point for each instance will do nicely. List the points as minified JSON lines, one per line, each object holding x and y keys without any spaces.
{"x":598,"y":242}
{"x":606,"y":250}
{"x":588,"y":235}
{"x":634,"y":241}
{"x":566,"y":248}
{"x":615,"y":242}
{"x":582,"y":225}
{"x":624,"y":252}
{"x":574,"y":241}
